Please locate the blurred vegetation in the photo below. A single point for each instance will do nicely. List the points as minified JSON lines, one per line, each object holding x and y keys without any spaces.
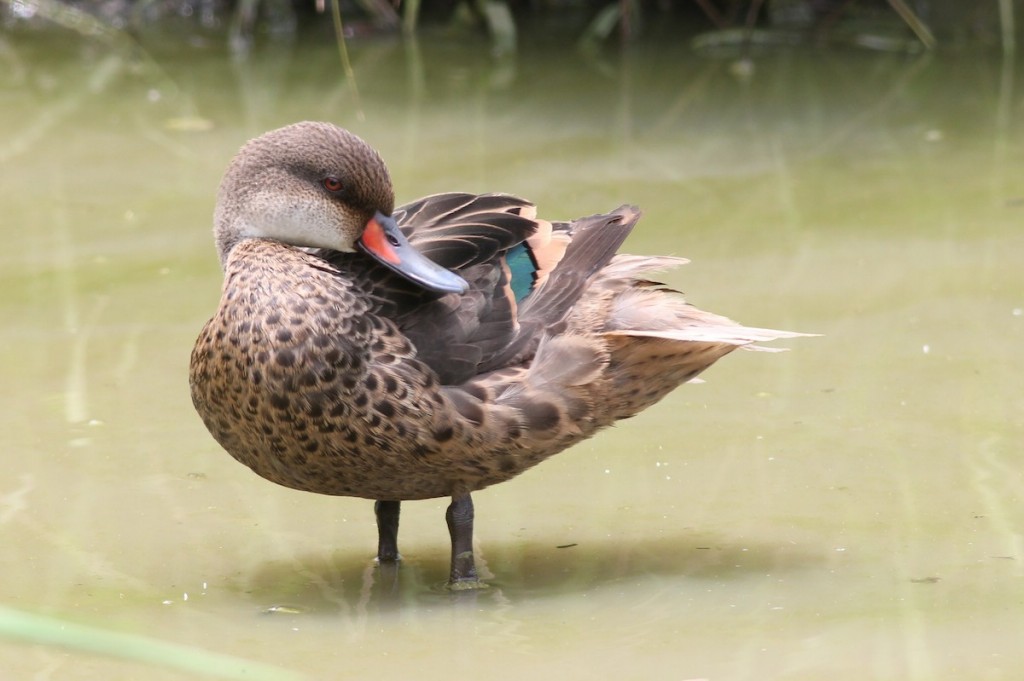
{"x":710,"y":26}
{"x":897,"y":25}
{"x":17,"y":625}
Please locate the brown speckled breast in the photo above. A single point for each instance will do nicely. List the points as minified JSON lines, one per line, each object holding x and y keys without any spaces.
{"x":297,"y":378}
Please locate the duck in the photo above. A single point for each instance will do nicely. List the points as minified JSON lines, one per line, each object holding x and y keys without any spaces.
{"x":430,"y":350}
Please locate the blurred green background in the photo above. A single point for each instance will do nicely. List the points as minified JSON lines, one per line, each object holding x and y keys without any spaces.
{"x":850,"y":509}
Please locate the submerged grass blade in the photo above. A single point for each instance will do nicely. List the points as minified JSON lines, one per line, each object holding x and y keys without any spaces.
{"x":346,"y":64}
{"x":1008,"y":26}
{"x":410,"y":15}
{"x":16,"y":625}
{"x":501,"y":25}
{"x":922,"y":32}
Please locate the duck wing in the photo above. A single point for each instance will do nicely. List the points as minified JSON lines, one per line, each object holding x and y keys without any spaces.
{"x":459,"y":230}
{"x":524,"y":275}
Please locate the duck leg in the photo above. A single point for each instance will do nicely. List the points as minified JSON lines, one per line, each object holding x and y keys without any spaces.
{"x":460,"y":526}
{"x":387,"y":530}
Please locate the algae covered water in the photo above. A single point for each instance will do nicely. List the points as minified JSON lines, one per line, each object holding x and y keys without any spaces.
{"x":849,"y":509}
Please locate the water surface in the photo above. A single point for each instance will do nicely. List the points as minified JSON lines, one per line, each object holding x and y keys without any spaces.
{"x":851,"y":509}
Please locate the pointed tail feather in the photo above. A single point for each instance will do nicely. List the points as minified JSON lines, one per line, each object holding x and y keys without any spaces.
{"x":731,"y":334}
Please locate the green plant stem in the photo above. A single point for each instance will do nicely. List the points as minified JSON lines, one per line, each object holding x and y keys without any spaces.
{"x":38,"y":629}
{"x":346,"y":63}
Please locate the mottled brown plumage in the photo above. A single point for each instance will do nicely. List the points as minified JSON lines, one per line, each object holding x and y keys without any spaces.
{"x":325,"y":371}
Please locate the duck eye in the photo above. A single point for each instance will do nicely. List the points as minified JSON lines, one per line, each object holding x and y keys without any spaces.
{"x":332,"y":184}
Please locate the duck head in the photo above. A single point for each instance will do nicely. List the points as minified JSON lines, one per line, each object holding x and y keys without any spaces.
{"x":319,"y":186}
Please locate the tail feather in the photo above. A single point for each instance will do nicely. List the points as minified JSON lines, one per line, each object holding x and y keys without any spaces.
{"x":655,"y":339}
{"x":733,"y":334}
{"x":651,"y":311}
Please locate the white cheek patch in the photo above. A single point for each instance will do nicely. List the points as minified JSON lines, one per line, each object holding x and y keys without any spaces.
{"x":295,"y":221}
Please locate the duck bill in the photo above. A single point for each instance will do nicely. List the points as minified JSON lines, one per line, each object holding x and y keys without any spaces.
{"x":385,"y":243}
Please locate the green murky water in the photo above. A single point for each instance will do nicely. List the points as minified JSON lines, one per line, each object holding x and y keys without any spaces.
{"x":851,"y":509}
